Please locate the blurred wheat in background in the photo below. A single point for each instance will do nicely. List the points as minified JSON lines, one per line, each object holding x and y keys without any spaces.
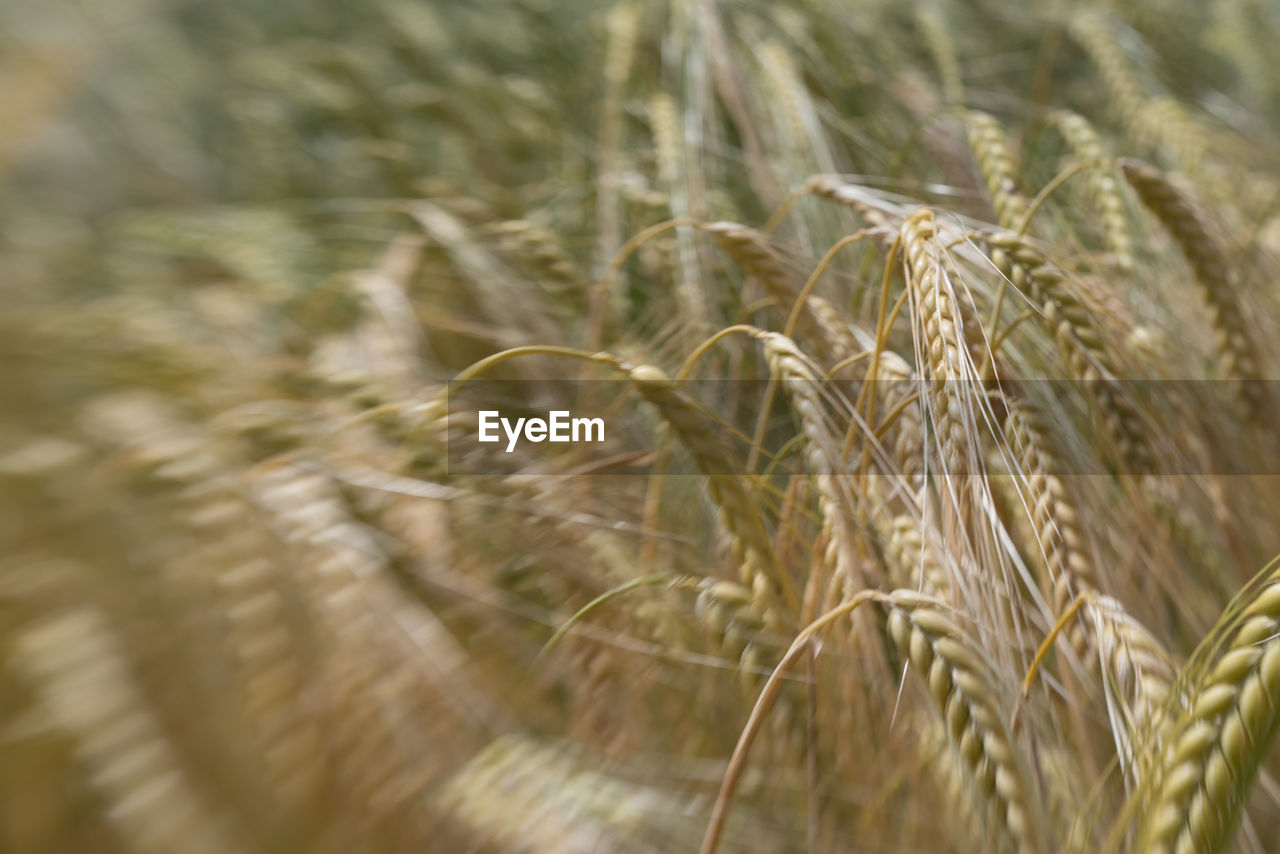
{"x":937,"y":507}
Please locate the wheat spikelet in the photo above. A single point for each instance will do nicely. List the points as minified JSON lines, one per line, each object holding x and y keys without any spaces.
{"x":960,"y":685}
{"x":1086,"y":145}
{"x":1214,"y":275}
{"x":999,"y":170}
{"x":1220,"y":739}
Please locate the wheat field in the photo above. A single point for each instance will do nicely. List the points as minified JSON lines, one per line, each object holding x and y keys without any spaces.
{"x":933,"y":347}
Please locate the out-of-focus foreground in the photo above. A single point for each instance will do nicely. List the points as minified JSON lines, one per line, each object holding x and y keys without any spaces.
{"x":254,"y":599}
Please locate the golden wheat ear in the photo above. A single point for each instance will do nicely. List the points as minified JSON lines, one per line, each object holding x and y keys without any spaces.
{"x":1197,"y":790}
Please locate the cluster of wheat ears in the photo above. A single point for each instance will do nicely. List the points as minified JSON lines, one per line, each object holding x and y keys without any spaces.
{"x":939,"y":496}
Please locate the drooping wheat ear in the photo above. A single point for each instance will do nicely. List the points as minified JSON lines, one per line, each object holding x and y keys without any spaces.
{"x":738,"y":511}
{"x":1230,"y":720}
{"x":834,"y":328}
{"x":1137,"y":675}
{"x":750,"y":250}
{"x":77,"y":662}
{"x":937,"y":38}
{"x":948,"y":359}
{"x":1054,"y":513}
{"x":961,"y":685}
{"x":1214,"y":274}
{"x":999,"y":169}
{"x":834,"y":189}
{"x":378,"y":753}
{"x":1086,"y":145}
{"x":1080,"y":344}
{"x":822,"y":454}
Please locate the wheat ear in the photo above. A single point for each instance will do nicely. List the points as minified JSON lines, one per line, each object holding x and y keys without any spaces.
{"x":999,"y":170}
{"x":949,"y":361}
{"x":738,"y":511}
{"x":1087,"y":146}
{"x":750,"y":250}
{"x":1230,"y":720}
{"x":960,"y":685}
{"x":1054,"y":514}
{"x":1079,"y":341}
{"x":822,"y":452}
{"x":1214,"y":276}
